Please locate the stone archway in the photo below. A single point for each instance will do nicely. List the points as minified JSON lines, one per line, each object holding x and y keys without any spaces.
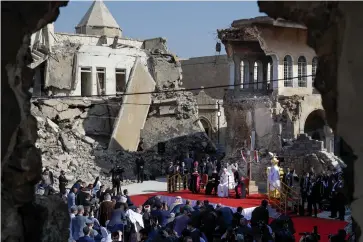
{"x":207,"y":126}
{"x":314,"y":125}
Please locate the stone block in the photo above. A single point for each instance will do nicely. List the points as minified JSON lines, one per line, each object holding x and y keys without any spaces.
{"x":67,"y":145}
{"x":49,"y":112}
{"x":69,"y":114}
{"x":166,"y":110}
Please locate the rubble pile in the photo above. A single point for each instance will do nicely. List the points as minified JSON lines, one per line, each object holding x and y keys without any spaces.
{"x":303,"y":152}
{"x":67,"y":139}
{"x":73,"y":135}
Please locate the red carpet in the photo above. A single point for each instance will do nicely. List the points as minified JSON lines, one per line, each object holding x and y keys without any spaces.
{"x":302,"y":224}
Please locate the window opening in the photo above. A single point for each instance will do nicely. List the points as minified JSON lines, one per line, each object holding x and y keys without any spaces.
{"x":301,"y":71}
{"x":120,"y":81}
{"x":101,"y":82}
{"x":288,"y":71}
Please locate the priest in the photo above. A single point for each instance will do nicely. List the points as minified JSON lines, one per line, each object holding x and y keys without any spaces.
{"x":274,"y":178}
{"x":223,"y":186}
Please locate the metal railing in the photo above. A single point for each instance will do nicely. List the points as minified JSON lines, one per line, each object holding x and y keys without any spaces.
{"x":285,"y":197}
{"x":177,"y":182}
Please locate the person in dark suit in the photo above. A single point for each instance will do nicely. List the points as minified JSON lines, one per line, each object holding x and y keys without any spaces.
{"x":313,"y":195}
{"x":239,"y":184}
{"x":63,"y":181}
{"x":140,"y":163}
{"x":212,"y":184}
{"x":304,"y":187}
{"x":260,"y":214}
{"x":340,"y":198}
{"x":117,"y":178}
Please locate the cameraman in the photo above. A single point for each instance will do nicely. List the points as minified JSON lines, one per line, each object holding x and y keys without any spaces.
{"x":117,"y":178}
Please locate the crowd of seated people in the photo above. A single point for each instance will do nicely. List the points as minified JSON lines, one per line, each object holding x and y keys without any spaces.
{"x":204,"y":222}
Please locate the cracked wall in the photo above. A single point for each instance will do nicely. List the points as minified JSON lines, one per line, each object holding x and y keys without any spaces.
{"x":21,"y":160}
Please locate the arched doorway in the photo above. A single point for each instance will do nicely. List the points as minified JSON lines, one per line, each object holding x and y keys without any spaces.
{"x":314,"y":125}
{"x":207,"y":127}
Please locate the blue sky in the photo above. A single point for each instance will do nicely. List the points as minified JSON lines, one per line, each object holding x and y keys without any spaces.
{"x":189,"y":27}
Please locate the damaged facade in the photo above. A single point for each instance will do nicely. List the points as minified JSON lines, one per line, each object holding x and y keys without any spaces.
{"x":83,"y":97}
{"x":207,"y":71}
{"x":272,"y":73}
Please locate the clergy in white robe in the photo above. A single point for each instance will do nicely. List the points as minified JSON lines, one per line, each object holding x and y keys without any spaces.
{"x":274,"y":179}
{"x":223,"y":184}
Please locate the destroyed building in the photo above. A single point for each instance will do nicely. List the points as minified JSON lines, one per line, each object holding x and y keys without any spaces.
{"x":200,"y":73}
{"x":271,"y":93}
{"x":96,"y":94}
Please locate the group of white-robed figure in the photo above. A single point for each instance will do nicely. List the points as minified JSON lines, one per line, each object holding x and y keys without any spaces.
{"x":226,"y":181}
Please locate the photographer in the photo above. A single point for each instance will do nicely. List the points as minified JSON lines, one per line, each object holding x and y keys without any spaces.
{"x":117,"y":178}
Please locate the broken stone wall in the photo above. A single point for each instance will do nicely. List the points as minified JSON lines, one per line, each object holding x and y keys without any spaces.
{"x":248,"y":113}
{"x":94,"y":40}
{"x":169,"y":120}
{"x":206,"y":71}
{"x":90,"y":117}
{"x":173,"y":116}
{"x":303,"y":153}
{"x":60,"y":73}
{"x":73,"y":136}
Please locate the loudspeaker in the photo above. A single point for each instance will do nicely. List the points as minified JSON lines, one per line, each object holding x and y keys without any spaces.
{"x":161,"y":147}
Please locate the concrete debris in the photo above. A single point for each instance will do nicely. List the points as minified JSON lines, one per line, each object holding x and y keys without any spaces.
{"x":66,"y":144}
{"x":69,"y":114}
{"x":71,"y":145}
{"x":303,"y":152}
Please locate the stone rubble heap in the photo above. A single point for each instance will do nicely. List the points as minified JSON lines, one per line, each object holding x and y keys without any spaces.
{"x":72,"y":135}
{"x":64,"y":144}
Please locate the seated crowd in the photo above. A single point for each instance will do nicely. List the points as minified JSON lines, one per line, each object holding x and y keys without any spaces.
{"x":102,"y":217}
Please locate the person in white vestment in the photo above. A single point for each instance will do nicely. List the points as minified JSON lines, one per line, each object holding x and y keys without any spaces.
{"x":223,"y":184}
{"x":274,"y":178}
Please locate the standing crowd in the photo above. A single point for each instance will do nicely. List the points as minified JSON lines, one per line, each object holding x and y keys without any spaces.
{"x":324,"y":191}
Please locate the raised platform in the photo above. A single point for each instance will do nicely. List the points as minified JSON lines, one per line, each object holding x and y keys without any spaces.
{"x":302,"y":224}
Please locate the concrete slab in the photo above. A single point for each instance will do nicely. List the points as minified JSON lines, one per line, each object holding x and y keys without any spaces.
{"x":134,"y":110}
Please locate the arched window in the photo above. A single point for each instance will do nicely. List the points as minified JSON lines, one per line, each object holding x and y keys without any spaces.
{"x":244,"y":74}
{"x":257,"y":75}
{"x":288,"y":71}
{"x":301,"y":71}
{"x":314,"y":66}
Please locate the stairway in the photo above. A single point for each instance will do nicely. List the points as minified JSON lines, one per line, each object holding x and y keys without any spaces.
{"x":38,"y":58}
{"x":287,"y":202}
